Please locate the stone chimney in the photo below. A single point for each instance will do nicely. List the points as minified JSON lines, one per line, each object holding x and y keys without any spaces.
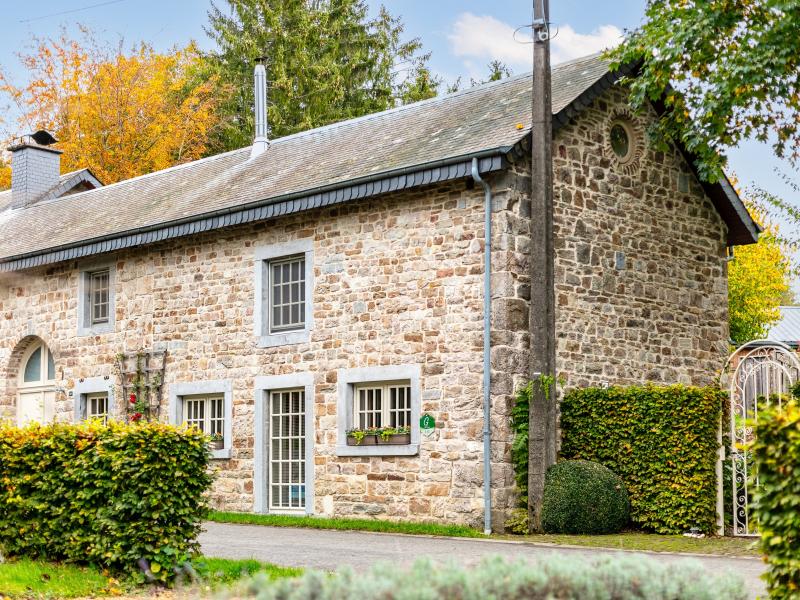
{"x":35,"y":168}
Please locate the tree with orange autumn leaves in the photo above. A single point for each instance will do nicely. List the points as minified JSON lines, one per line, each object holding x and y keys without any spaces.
{"x":120,"y":113}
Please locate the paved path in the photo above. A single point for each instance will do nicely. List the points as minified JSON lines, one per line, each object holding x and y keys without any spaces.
{"x":328,"y":550}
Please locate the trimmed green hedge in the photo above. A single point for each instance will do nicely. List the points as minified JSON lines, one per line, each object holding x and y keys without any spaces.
{"x":561,"y":576}
{"x":105,"y":495}
{"x":662,"y":441}
{"x":776,"y":451}
{"x":581,"y":496}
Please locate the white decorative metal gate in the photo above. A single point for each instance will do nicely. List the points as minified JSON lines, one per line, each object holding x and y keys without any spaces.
{"x":761,"y":373}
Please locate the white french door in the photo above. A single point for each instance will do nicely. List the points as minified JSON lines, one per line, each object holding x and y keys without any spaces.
{"x":287,"y":451}
{"x":36,"y":389}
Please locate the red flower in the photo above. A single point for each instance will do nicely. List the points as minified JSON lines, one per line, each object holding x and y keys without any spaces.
{"x":136,"y":416}
{"x":133,"y":398}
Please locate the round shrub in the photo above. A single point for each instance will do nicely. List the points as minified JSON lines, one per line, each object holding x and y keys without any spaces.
{"x":581,"y":496}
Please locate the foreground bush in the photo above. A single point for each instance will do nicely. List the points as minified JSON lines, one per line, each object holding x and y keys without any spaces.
{"x":777,"y":504}
{"x":557,"y":577}
{"x":108,"y":496}
{"x":662,"y":441}
{"x":581,"y":496}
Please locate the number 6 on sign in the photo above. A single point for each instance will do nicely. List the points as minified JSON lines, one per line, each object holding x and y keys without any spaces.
{"x":426,"y":425}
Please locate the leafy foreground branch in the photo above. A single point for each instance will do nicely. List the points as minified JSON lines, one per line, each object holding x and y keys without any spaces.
{"x":557,"y":577}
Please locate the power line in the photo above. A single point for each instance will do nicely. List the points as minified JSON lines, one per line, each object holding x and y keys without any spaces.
{"x":74,"y":10}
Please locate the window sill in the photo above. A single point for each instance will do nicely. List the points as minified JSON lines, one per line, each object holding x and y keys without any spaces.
{"x":221,"y":454}
{"x":379,"y":450}
{"x":284,"y":339}
{"x":96,"y":329}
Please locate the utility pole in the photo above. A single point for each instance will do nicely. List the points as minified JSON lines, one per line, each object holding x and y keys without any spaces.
{"x":542,"y":411}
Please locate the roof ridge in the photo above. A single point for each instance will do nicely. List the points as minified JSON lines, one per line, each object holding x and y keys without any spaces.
{"x":470,"y":90}
{"x":345,"y":123}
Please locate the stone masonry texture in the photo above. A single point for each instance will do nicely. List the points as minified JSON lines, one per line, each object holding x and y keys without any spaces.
{"x":641,"y":294}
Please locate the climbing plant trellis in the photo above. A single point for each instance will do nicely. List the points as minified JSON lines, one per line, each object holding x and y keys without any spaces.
{"x":141,"y":376}
{"x":760,"y":374}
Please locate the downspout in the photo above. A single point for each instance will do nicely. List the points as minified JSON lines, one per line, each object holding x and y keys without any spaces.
{"x":487,"y":365}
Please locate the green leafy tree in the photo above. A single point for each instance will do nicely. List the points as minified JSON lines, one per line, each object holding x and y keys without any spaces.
{"x":758,"y":283}
{"x":327,"y":61}
{"x":726,"y":70}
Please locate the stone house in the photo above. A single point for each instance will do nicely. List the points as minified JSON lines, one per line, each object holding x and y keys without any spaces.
{"x":334,"y":280}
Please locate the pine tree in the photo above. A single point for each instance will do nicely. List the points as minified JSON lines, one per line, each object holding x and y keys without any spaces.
{"x":327,"y":61}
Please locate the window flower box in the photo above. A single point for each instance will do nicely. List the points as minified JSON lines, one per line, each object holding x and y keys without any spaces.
{"x":394,"y":439}
{"x":385,"y":436}
{"x":217,"y":442}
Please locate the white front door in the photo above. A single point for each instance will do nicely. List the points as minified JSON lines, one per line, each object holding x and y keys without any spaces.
{"x":287,"y":451}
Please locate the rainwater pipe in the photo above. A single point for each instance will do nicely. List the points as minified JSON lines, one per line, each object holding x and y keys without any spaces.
{"x":487,"y":365}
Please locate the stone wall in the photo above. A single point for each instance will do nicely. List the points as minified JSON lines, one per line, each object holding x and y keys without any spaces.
{"x":641,"y":280}
{"x":398,"y":281}
{"x":641,"y":295}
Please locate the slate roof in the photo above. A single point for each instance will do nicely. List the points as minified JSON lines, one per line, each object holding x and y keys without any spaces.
{"x":66,"y":182}
{"x":428,"y":141}
{"x":787,"y":330}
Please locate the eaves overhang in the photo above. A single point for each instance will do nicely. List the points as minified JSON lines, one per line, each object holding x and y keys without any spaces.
{"x":459,"y":167}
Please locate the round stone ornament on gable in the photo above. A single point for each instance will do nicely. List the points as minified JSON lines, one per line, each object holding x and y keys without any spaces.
{"x":624,"y":141}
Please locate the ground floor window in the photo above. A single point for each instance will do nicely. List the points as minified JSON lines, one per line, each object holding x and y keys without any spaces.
{"x":378,"y":411}
{"x":97,"y":406}
{"x":287,"y":450}
{"x":208,"y":406}
{"x":206,"y":412}
{"x":382,"y":405}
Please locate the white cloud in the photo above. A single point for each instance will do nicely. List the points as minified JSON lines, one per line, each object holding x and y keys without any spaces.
{"x":486,"y":38}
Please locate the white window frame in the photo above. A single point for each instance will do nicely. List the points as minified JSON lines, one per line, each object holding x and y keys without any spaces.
{"x":265,"y":256}
{"x":385,"y":410}
{"x":206,"y":424}
{"x":90,"y":386}
{"x":349,"y":381}
{"x":179,"y":391}
{"x":96,"y":398}
{"x":264,"y":386}
{"x":86,"y":324}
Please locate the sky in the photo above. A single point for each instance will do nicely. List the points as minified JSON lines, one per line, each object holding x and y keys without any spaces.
{"x":462,"y":35}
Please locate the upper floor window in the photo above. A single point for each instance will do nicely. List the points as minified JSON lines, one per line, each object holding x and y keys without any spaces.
{"x":283,"y":289}
{"x":287,"y":284}
{"x":98,"y":296}
{"x":96,"y":301}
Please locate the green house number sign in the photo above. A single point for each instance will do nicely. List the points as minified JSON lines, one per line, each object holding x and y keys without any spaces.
{"x":427,"y":424}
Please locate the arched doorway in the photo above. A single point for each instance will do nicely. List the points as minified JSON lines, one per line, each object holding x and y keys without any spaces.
{"x":36,"y":386}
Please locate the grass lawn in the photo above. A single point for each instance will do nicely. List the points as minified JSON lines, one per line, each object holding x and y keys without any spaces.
{"x":346,"y":524}
{"x":724,"y":546}
{"x":25,"y":578}
{"x":216,"y":571}
{"x":624,"y":541}
{"x":34,"y":579}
